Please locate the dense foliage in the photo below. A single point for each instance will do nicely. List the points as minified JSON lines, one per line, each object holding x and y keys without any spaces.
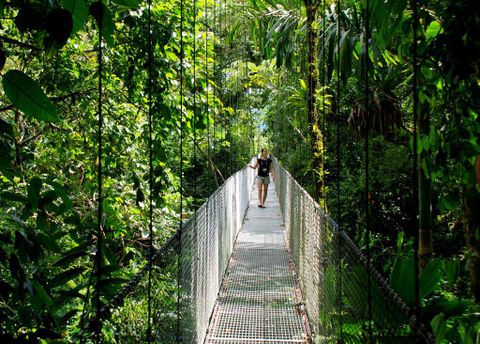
{"x":49,"y":56}
{"x":228,"y":78}
{"x":329,"y":138}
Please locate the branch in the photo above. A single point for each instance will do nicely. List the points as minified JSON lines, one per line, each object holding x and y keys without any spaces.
{"x":215,"y":170}
{"x":18,"y":43}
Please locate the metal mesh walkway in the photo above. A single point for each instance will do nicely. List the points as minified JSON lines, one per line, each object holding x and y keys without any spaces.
{"x":259,"y":301}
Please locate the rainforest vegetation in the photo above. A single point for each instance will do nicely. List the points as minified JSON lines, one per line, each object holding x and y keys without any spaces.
{"x":228,"y":78}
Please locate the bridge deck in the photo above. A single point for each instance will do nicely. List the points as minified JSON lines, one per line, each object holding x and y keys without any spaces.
{"x":258,"y":302}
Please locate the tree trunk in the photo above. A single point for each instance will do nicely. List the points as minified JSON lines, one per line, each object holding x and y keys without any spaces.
{"x":312,"y":115}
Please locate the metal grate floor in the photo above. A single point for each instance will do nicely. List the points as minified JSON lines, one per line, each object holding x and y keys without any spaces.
{"x":259,"y":300}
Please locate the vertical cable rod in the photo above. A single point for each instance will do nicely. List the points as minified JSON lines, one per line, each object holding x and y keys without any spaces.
{"x":339,"y":266}
{"x":195,"y":111}
{"x":415,"y":158}
{"x":180,"y":229}
{"x":207,"y":109}
{"x":214,"y":30}
{"x":367,"y":166}
{"x":150,"y":169}
{"x":338,"y":112}
{"x":98,"y":255}
{"x":324,"y":86}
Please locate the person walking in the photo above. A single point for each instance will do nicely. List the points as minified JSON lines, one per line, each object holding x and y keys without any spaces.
{"x":265,"y":167}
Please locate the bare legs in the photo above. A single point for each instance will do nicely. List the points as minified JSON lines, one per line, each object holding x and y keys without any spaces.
{"x":265,"y":190}
{"x":262,"y":196}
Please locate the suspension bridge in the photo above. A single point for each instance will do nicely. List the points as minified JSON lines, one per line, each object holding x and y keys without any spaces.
{"x":281,"y":274}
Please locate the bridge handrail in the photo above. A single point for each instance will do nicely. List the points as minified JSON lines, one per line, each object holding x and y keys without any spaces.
{"x":206,"y":240}
{"x":207,"y":244}
{"x":332,"y":274}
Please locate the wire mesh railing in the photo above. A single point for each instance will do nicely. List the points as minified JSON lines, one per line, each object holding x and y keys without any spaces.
{"x":333,"y":277}
{"x":205,"y":243}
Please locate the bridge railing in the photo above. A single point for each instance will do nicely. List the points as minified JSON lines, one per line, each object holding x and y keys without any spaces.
{"x":333,"y":277}
{"x":206,"y":243}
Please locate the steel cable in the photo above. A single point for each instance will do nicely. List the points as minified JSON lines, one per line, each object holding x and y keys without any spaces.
{"x":179,"y":273}
{"x":150,"y":168}
{"x":367,"y":166}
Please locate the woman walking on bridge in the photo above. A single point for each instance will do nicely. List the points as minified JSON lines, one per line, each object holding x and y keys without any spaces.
{"x":263,"y":179}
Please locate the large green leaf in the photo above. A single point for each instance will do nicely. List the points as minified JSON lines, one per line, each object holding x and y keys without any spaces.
{"x":71,"y":255}
{"x":402,"y":279}
{"x":433,"y":29}
{"x":100,"y":12}
{"x":34,"y":188}
{"x":7,"y":195}
{"x":65,"y":276}
{"x":79,"y":11}
{"x":451,"y":269}
{"x":27,"y":96}
{"x":42,"y":294}
{"x":430,"y":277}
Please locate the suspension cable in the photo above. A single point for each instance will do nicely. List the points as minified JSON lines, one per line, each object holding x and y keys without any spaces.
{"x":415,"y":159}
{"x":367,"y":163}
{"x":207,"y":110}
{"x":338,"y":113}
{"x":339,"y":266}
{"x":98,"y":255}
{"x":214,"y":74}
{"x":324,"y":86}
{"x":150,"y":168}
{"x":180,"y":229}
{"x":195,"y":110}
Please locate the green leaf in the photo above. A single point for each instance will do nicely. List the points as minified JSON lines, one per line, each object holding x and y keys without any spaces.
{"x":58,"y":26}
{"x":449,"y":308}
{"x":303,"y":84}
{"x":2,"y":7}
{"x":430,"y":277}
{"x":63,"y":194}
{"x":67,"y":316}
{"x":34,"y":188}
{"x":65,"y":276}
{"x":99,"y":10}
{"x":432,"y":31}
{"x":27,"y":96}
{"x":439,"y":327}
{"x":7,"y":195}
{"x":47,"y":241}
{"x":110,"y":286}
{"x":41,"y":293}
{"x":79,"y":11}
{"x":451,"y":268}
{"x":127,"y":3}
{"x":71,"y":255}
{"x":112,"y":281}
{"x":402,"y":279}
